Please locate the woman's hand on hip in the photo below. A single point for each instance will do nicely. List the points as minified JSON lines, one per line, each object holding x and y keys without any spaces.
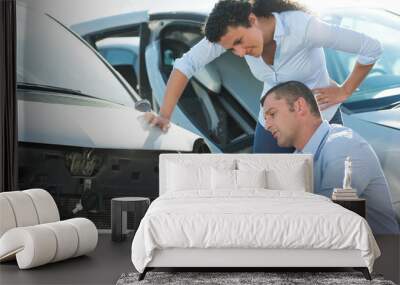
{"x":330,"y":96}
{"x":157,"y":120}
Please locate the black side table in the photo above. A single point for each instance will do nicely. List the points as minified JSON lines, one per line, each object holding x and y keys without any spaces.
{"x":355,"y":205}
{"x":119,"y":208}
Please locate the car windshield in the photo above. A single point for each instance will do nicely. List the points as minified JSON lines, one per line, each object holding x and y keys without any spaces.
{"x":380,"y":24}
{"x":48,"y":54}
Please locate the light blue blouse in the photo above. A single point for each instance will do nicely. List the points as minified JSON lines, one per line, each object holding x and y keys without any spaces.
{"x":300,"y":38}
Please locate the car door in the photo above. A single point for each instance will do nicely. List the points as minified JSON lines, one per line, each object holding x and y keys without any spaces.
{"x":133,"y":32}
{"x":133,"y":25}
{"x":207,"y":106}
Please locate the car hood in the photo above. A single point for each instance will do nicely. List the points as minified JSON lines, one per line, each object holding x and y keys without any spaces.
{"x":388,"y":118}
{"x":95,"y":124}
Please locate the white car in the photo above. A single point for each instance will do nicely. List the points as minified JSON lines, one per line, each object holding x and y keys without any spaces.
{"x":81,"y":127}
{"x":221,"y":101}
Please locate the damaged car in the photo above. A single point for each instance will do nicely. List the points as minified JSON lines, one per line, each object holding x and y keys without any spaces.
{"x":82,"y":134}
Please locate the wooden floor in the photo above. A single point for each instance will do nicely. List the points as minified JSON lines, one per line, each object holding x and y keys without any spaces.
{"x":110,"y":259}
{"x":103,"y":266}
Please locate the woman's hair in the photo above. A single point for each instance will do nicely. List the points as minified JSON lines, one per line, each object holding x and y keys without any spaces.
{"x":265,"y":8}
{"x":236,"y":13}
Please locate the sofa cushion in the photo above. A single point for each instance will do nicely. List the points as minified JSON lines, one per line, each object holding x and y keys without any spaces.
{"x":7,"y":218}
{"x":23,"y":208}
{"x":87,"y":233}
{"x":32,"y":246}
{"x":26,"y":208}
{"x":67,"y":240}
{"x":45,"y":206}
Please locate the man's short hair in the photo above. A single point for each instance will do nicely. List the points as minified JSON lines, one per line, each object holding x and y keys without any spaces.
{"x":291,"y":91}
{"x":226,"y":13}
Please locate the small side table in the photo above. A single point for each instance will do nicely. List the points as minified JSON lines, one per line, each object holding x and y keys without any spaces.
{"x":119,"y":208}
{"x":355,"y":205}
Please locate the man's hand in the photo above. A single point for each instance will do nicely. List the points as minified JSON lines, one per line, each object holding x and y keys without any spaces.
{"x":330,"y":96}
{"x":157,"y":120}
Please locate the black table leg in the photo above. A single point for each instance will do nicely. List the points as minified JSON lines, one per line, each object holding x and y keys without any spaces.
{"x":116,"y":222}
{"x":120,"y":206}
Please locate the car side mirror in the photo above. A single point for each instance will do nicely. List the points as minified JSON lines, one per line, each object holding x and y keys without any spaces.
{"x":143,"y":105}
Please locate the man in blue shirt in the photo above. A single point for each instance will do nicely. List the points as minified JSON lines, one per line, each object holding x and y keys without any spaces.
{"x":292,"y":116}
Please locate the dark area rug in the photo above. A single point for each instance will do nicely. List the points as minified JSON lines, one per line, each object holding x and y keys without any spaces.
{"x":229,"y":278}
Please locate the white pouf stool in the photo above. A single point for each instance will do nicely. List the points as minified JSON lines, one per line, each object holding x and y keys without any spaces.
{"x":31,"y":230}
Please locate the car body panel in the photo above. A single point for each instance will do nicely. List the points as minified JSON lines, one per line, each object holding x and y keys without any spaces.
{"x":91,"y":123}
{"x":109,"y":23}
{"x":387,"y":118}
{"x":60,"y":119}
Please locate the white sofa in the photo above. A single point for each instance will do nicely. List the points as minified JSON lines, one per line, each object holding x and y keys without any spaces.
{"x":31,"y":230}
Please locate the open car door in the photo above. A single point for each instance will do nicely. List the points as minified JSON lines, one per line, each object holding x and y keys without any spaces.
{"x":121,"y":40}
{"x":209,"y":105}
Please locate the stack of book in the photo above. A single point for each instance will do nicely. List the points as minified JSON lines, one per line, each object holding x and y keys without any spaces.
{"x":344,"y":194}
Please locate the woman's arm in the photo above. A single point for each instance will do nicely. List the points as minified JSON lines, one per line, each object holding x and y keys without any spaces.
{"x":184,"y":68}
{"x":176,"y":84}
{"x":321,"y":34}
{"x":335,"y":94}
